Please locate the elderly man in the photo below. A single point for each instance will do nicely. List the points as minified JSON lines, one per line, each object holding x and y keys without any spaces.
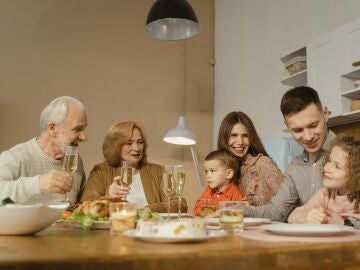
{"x":306,"y":120}
{"x":31,"y":172}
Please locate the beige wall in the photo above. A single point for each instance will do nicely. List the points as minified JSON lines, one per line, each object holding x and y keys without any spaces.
{"x":96,"y":50}
{"x":250,"y":38}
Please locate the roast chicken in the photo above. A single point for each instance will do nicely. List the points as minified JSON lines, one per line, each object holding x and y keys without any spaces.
{"x":99,"y":206}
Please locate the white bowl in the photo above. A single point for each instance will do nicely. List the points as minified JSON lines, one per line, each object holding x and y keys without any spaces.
{"x":18,"y":219}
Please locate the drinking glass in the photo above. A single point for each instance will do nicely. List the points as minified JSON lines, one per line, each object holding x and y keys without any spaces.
{"x":70,"y":164}
{"x":122,"y":216}
{"x":179,"y":178}
{"x":168,"y":184}
{"x":208,"y":206}
{"x":125,"y":175}
{"x":231,"y":216}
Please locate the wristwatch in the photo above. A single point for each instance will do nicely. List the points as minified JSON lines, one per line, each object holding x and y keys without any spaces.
{"x":347,"y":222}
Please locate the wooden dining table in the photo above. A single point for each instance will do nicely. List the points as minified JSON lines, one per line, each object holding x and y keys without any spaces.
{"x":64,"y":247}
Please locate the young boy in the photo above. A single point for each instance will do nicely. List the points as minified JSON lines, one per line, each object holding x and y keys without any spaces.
{"x":220,"y":171}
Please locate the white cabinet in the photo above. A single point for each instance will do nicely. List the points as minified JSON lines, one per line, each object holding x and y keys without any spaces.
{"x":348,"y":37}
{"x":333,"y":70}
{"x":298,"y":78}
{"x":323,"y":73}
{"x":349,"y":42}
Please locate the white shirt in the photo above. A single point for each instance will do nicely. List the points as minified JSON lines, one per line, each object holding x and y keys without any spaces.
{"x":136,"y":193}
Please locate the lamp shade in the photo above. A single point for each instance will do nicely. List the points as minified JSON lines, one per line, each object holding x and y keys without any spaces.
{"x":171,"y":20}
{"x":181,"y":134}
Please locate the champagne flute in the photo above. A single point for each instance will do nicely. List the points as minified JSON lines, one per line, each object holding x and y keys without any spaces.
{"x":70,"y":164}
{"x":125,"y":175}
{"x":168,"y":184}
{"x":179,"y":178}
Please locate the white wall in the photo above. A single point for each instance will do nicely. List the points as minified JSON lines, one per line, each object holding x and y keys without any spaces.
{"x":250,"y":38}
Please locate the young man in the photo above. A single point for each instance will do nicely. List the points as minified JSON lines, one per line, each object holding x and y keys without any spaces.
{"x":31,"y":172}
{"x":306,"y":120}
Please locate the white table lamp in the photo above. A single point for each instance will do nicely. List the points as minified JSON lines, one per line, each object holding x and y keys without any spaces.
{"x":182,"y":135}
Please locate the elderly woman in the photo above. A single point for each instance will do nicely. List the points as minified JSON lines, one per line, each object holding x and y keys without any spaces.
{"x":125,"y":141}
{"x":259,"y":176}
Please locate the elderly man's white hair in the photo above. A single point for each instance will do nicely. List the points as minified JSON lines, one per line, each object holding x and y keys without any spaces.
{"x":56,"y":111}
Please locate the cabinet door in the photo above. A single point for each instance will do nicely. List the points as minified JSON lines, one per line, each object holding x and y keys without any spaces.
{"x":349,"y":45}
{"x":323,"y":75}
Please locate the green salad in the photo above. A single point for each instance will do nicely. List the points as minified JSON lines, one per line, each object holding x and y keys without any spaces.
{"x":86,"y":220}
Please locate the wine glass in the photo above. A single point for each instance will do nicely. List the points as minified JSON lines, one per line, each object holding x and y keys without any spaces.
{"x":70,"y":164}
{"x":125,"y":175}
{"x":168,"y":184}
{"x":179,"y":178}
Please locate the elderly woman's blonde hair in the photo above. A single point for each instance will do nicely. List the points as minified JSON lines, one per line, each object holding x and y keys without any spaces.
{"x":118,"y":135}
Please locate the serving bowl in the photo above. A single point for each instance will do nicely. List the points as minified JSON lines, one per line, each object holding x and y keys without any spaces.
{"x":16,"y":219}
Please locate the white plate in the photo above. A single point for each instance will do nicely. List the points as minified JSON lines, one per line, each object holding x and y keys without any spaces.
{"x":176,"y":215}
{"x":248,"y":221}
{"x":97,"y":225}
{"x":252,"y":221}
{"x":307,"y":229}
{"x":175,"y":239}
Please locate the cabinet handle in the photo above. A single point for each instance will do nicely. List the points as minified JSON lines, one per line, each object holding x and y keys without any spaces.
{"x":355,"y":64}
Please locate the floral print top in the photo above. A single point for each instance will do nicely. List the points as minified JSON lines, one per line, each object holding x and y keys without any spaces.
{"x":260,"y":179}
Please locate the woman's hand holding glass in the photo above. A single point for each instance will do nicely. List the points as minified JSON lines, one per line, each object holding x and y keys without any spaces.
{"x":120,"y":188}
{"x":117,"y":191}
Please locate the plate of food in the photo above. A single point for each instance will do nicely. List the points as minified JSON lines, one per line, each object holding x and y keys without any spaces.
{"x":94,"y":215}
{"x":174,"y":239}
{"x":173,"y":231}
{"x":308,"y":229}
{"x":95,"y":225}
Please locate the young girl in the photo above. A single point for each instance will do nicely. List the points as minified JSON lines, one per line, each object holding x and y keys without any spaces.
{"x":338,"y":201}
{"x":220,"y":170}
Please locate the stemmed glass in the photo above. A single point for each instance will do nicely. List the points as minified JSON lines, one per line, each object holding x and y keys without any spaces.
{"x":179,"y":178}
{"x":70,"y":164}
{"x":168,"y":184}
{"x":125,"y":175}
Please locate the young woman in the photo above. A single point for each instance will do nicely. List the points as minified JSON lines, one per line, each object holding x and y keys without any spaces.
{"x":125,"y":141}
{"x":338,"y":201}
{"x":259,"y":176}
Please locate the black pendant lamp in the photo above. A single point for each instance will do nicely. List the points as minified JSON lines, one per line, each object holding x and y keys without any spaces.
{"x":171,"y":20}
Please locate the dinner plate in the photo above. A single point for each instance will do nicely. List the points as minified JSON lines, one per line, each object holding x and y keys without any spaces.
{"x":252,"y":221}
{"x":176,"y":215}
{"x":307,"y":229}
{"x":213,"y":223}
{"x":97,"y":225}
{"x":174,"y":239}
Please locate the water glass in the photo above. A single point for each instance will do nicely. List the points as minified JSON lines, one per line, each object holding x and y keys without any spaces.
{"x":231,"y":216}
{"x":122,"y":216}
{"x":208,"y":206}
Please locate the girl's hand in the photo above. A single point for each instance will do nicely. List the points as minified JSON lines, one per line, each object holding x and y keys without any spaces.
{"x":334,"y":217}
{"x":117,"y":191}
{"x":317,"y":216}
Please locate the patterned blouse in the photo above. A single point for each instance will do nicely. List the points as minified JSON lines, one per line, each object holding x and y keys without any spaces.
{"x":260,"y":179}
